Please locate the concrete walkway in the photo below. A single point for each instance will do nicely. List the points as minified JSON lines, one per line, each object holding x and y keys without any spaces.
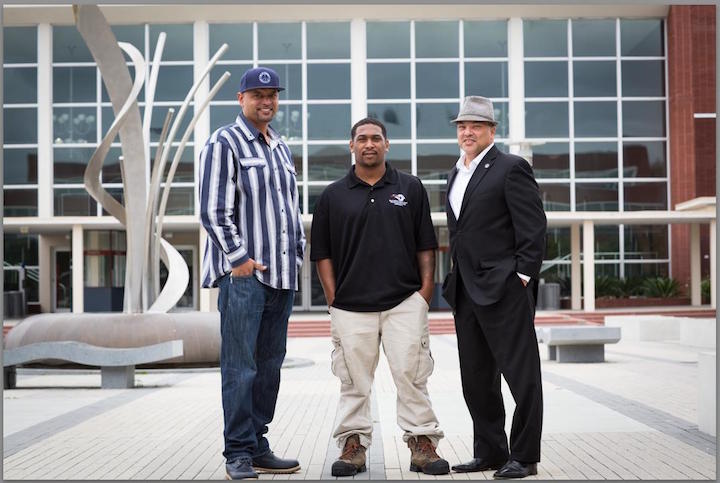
{"x":633,"y":417}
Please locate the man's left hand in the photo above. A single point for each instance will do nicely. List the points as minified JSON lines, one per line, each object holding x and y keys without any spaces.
{"x":426,"y":293}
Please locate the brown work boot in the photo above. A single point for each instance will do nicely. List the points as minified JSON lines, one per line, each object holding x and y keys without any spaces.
{"x":424,"y":458}
{"x":352,"y":459}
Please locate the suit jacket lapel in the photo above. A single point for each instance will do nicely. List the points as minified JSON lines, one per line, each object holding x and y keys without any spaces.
{"x":448,"y":208}
{"x":477,"y":176}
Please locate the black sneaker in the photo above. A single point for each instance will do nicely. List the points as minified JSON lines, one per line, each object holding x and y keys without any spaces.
{"x":240,"y":469}
{"x":269,"y":463}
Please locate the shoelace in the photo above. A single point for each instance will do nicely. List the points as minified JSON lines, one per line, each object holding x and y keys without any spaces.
{"x":350,"y":451}
{"x":425,"y":447}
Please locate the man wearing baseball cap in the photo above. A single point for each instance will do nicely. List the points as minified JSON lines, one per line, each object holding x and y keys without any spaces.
{"x":497,"y":239}
{"x":249,"y":206}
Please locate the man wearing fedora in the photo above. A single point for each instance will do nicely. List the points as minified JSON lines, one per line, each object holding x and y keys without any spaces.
{"x":497,"y":237}
{"x":254,"y":250}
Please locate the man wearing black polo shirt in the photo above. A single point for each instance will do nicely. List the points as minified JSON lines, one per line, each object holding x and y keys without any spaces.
{"x":374,"y":244}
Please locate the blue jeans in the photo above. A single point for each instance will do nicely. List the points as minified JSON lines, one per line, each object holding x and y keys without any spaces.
{"x":253,"y":329}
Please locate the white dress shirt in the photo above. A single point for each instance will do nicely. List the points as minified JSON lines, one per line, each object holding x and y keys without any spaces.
{"x":462,"y":179}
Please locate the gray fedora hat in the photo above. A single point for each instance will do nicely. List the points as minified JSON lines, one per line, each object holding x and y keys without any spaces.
{"x":476,"y":108}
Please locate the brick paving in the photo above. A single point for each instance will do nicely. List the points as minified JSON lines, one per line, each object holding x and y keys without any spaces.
{"x":633,"y":417}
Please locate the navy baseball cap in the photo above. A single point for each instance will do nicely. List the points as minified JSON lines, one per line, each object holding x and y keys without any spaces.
{"x":260,"y":78}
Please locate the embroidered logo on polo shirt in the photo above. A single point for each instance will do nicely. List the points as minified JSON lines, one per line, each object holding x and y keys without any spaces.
{"x":264,"y":77}
{"x":398,"y":200}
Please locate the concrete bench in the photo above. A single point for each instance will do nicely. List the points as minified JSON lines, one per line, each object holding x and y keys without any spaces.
{"x":117,"y":365}
{"x":706,"y":394}
{"x":577,"y":343}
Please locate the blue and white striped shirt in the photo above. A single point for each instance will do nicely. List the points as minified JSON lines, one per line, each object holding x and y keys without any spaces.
{"x":249,"y":205}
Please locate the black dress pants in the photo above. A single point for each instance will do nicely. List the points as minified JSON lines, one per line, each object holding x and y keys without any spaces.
{"x":493,"y":340}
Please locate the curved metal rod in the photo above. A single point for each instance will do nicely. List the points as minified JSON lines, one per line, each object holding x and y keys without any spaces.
{"x":92,"y":172}
{"x":177,"y":281}
{"x":150,"y":87}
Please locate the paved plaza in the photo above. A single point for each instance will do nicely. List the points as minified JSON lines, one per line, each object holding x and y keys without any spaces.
{"x":632,"y":417}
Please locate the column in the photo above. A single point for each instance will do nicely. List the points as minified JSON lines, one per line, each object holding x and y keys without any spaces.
{"x":713,"y":266}
{"x":45,"y":123}
{"x":358,"y":70}
{"x":575,"y":271}
{"x":45,"y":284}
{"x":695,"y":274}
{"x":589,"y":265}
{"x":78,"y":284}
{"x":516,"y":84}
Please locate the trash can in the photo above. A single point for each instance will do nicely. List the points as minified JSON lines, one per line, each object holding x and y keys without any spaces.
{"x":550,"y":296}
{"x":14,"y":304}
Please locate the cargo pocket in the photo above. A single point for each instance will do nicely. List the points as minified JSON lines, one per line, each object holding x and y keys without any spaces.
{"x":338,"y":364}
{"x":426,"y":363}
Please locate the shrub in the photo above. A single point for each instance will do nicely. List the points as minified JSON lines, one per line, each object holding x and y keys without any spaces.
{"x":705,"y":291}
{"x":607,"y":286}
{"x":631,"y":287}
{"x":662,"y":287}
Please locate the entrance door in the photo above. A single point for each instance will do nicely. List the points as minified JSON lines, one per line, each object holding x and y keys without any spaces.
{"x":62,"y":280}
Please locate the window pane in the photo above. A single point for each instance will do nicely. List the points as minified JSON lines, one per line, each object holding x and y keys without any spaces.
{"x":116,"y":193}
{"x":219,"y":116}
{"x":297,"y":154}
{"x":74,"y":125}
{"x":19,"y":44}
{"x":20,"y":126}
{"x":593,"y":37}
{"x":485,"y":38}
{"x":388,"y":39}
{"x":69,"y":164}
{"x":19,"y":85}
{"x":238,"y":36}
{"x":388,"y":81}
{"x":20,"y":166}
{"x":185,"y":169}
{"x":607,"y":270}
{"x":229,"y":90}
{"x":436,"y":39}
{"x":645,"y":196}
{"x":435,"y":160}
{"x":644,"y":270}
{"x":501,"y":116}
{"x":596,"y":197}
{"x":594,"y":78}
{"x":73,"y":202}
{"x":329,"y":121}
{"x":181,"y":201}
{"x":437,"y":80}
{"x":596,"y":160}
{"x":551,"y":160}
{"x":643,"y":78}
{"x":546,"y":79}
{"x":174,"y":82}
{"x":313,"y":195}
{"x":641,"y":37}
{"x":596,"y":119}
{"x":19,"y":249}
{"x":327,"y":163}
{"x":158,"y":118}
{"x":74,"y":84}
{"x":328,"y":81}
{"x":437,"y":196}
{"x":396,"y":118}
{"x":399,"y":156}
{"x":141,"y":94}
{"x":20,"y":202}
{"x":646,"y":241}
{"x":111,"y":166}
{"x":279,"y":40}
{"x":487,"y":79}
{"x":643,"y":118}
{"x":132,"y":34}
{"x":288,"y":121}
{"x":546,"y":119}
{"x":433,"y":120}
{"x":328,"y":40}
{"x":545,"y":38}
{"x":644,"y":159}
{"x":178,"y":43}
{"x":607,"y":242}
{"x":69,"y":46}
{"x":555,"y":197}
{"x":557,"y":243}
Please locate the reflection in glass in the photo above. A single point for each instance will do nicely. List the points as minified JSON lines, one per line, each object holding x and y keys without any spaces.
{"x":607,"y":242}
{"x":503,"y":121}
{"x":297,"y":154}
{"x":327,"y":163}
{"x":434,"y":161}
{"x":596,"y":160}
{"x":328,"y":40}
{"x":388,"y":40}
{"x":20,"y":202}
{"x":132,"y":34}
{"x":644,"y":270}
{"x":229,"y":90}
{"x":645,"y":196}
{"x":181,"y":201}
{"x":551,"y":160}
{"x":596,"y":197}
{"x":557,"y":243}
{"x":546,"y":79}
{"x":68,"y":45}
{"x":279,"y":40}
{"x":74,"y":125}
{"x":555,"y":197}
{"x":395,"y":117}
{"x":485,"y":38}
{"x":433,"y":120}
{"x":596,"y":119}
{"x":20,"y":166}
{"x":399,"y":157}
{"x":594,"y":78}
{"x":290,"y":78}
{"x":643,"y":118}
{"x":607,"y":270}
{"x":19,"y":44}
{"x":74,"y":84}
{"x":646,"y":242}
{"x":546,"y":119}
{"x":436,"y":39}
{"x":643,"y":159}
{"x":437,"y":196}
{"x":388,"y":81}
{"x":328,"y":121}
{"x":73,"y":202}
{"x":437,"y":79}
{"x":19,"y":85}
{"x":173,"y":82}
{"x":643,"y":78}
{"x":178,"y":43}
{"x":328,"y":81}
{"x":487,"y":79}
{"x":545,"y":38}
{"x":69,"y":164}
{"x":15,"y":124}
{"x":20,"y":249}
{"x":641,"y":37}
{"x":593,"y":37}
{"x":288,"y":121}
{"x":238,"y":36}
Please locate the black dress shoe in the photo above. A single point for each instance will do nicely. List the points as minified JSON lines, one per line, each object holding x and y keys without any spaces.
{"x":269,"y":463}
{"x":515,"y":469}
{"x":477,"y":464}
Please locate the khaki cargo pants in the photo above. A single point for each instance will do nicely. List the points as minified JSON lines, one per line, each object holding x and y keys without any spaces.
{"x":404,"y":334}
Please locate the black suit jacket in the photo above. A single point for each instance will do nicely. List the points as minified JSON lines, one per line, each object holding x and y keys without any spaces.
{"x":500,"y":230}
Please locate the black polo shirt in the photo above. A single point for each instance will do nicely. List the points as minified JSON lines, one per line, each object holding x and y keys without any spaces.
{"x":373,"y":234}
